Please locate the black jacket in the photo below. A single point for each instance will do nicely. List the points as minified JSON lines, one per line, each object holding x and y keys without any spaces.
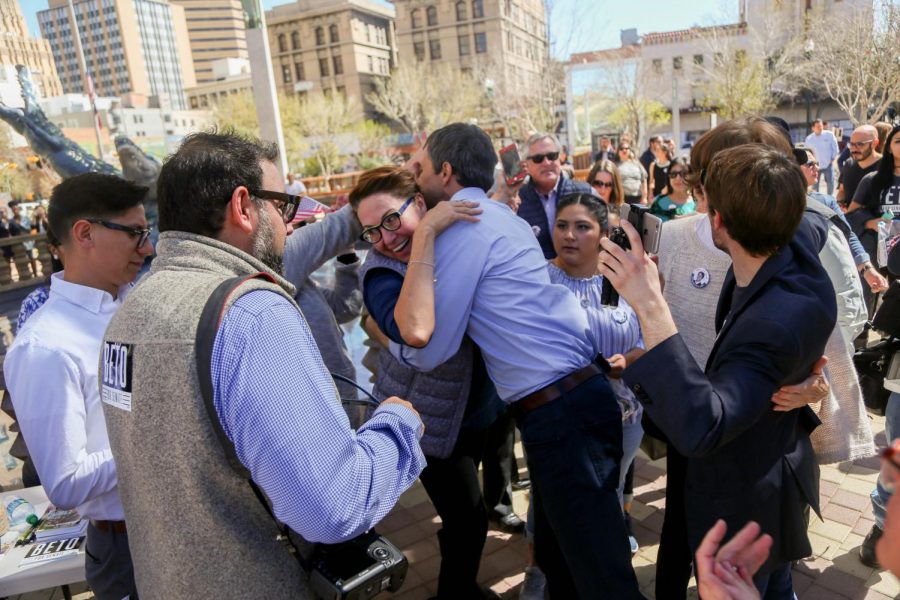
{"x":532,"y":210}
{"x":746,"y":461}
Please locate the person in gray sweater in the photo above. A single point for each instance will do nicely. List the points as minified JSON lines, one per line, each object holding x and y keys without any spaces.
{"x":326,"y":307}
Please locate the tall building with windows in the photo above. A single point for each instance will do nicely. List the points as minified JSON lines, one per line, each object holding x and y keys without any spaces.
{"x":509,"y":35}
{"x":17,"y":48}
{"x":130,"y":46}
{"x":216,"y":31}
{"x":331,"y":46}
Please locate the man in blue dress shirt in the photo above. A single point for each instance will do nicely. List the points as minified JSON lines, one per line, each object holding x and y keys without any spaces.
{"x":491,"y":283}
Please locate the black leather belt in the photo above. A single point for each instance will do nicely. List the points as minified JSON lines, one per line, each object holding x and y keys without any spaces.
{"x":549,"y":393}
{"x":110,"y":526}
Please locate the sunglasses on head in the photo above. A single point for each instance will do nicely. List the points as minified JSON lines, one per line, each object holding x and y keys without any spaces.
{"x":539,"y":158}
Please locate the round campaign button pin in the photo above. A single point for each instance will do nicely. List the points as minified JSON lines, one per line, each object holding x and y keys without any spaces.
{"x":700,"y":278}
{"x":619,"y":316}
{"x":584,"y":302}
{"x":536,"y":229}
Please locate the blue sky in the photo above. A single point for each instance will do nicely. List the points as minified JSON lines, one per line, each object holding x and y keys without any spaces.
{"x":579,"y":25}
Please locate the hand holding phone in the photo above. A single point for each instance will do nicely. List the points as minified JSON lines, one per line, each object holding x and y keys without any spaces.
{"x":513,"y":168}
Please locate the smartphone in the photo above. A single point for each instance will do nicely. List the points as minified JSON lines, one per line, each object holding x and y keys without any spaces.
{"x":649,"y":226}
{"x":512,"y":165}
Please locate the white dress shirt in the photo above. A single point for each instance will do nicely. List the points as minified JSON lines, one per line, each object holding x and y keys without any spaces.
{"x":52,"y":373}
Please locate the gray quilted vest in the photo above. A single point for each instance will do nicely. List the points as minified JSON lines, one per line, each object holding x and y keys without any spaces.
{"x":195,"y":527}
{"x":440,"y":395}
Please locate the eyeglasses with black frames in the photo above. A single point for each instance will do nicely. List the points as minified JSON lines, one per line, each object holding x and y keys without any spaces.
{"x":390,"y":222}
{"x":286,"y":204}
{"x":141,"y":234}
{"x":677,"y":174}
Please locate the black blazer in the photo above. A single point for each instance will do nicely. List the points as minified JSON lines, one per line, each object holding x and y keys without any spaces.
{"x":746,"y":461}
{"x":532,"y":210}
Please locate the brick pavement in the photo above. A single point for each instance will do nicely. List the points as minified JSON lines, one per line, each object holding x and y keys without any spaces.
{"x":832,"y":573}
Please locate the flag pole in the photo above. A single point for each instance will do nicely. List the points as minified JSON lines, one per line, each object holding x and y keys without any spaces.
{"x":88,"y":80}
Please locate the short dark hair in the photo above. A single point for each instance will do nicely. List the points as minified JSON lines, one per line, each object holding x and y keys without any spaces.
{"x":817,"y":121}
{"x":468,"y":149}
{"x":90,"y":196}
{"x":596,"y":207}
{"x":393,"y":180}
{"x":760,"y":194}
{"x":197,"y":182}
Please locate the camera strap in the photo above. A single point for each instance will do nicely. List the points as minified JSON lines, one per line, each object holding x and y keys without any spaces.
{"x":207,"y":329}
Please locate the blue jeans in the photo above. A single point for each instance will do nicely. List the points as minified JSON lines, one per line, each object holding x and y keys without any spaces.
{"x":632,"y":433}
{"x":777,"y":585}
{"x":880,"y":496}
{"x":827,"y":171}
{"x":573,"y":446}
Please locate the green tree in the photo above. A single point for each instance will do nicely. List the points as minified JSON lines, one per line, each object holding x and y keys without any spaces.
{"x":237,"y":112}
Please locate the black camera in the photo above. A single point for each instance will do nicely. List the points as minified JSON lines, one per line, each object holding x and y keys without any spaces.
{"x":358,"y":569}
{"x":608,"y":294}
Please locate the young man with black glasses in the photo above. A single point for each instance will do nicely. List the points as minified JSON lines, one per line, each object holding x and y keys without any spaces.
{"x":864,"y":148}
{"x":546,"y":185}
{"x":51,"y":368}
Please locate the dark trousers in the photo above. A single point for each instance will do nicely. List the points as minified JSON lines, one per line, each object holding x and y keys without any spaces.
{"x":673,"y":562}
{"x":452,"y":484}
{"x":777,"y":585}
{"x":573,"y":446}
{"x":498,"y":468}
{"x":107,"y":565}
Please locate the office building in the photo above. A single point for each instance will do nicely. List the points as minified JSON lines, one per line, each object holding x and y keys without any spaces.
{"x":17,"y":48}
{"x":508,"y":38}
{"x":331,"y":46}
{"x":231,"y":76}
{"x":130,"y":46}
{"x":216,"y":31}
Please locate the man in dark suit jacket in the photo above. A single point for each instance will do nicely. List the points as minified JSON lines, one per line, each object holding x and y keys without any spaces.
{"x":744,"y":460}
{"x":545,"y":187}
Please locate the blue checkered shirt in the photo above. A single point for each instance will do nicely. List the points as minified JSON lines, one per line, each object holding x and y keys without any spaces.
{"x":278,"y":404}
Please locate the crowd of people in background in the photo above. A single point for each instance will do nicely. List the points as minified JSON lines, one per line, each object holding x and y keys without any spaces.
{"x":486,"y":303}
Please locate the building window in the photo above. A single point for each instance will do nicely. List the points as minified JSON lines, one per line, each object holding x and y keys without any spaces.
{"x":333,"y":34}
{"x":338,"y":65}
{"x":431,"y":15}
{"x":480,"y":42}
{"x":657,"y":65}
{"x":677,"y":63}
{"x":295,"y":41}
{"x":419,"y":50}
{"x":698,"y":60}
{"x":282,"y":43}
{"x":434,"y":47}
{"x":416,"y":18}
{"x":286,"y":73}
{"x":341,"y":90}
{"x":465,"y":48}
{"x":320,"y":36}
{"x":477,"y":9}
{"x":371,"y":64}
{"x":298,"y":71}
{"x":461,"y":11}
{"x":323,"y":67}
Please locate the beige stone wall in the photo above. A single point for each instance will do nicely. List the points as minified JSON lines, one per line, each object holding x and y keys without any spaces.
{"x":216,"y":30}
{"x":17,"y":48}
{"x":334,"y":48}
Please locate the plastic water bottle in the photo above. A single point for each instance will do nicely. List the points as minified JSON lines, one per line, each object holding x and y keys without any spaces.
{"x":20,"y":512}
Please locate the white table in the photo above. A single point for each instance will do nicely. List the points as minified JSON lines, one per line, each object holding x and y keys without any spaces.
{"x":21,"y":580}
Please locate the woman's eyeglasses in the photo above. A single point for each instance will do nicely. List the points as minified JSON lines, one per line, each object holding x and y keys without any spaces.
{"x":286,"y":204}
{"x":142,"y":234}
{"x":624,"y":148}
{"x":390,"y":222}
{"x":602,"y":184}
{"x":677,"y":174}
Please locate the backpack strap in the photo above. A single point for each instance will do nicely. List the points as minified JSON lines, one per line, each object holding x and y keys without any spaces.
{"x":207,"y":329}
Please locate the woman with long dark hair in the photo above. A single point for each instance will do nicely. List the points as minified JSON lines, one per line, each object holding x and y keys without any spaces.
{"x":677,"y":202}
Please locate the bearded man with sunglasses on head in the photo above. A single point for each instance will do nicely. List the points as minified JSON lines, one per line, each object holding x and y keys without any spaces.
{"x":546,"y":185}
{"x":51,"y":368}
{"x":274,"y":401}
